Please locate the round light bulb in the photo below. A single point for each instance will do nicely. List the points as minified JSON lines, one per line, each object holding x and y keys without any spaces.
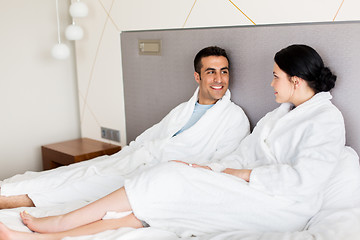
{"x":78,"y":10}
{"x":60,"y":51}
{"x":74,"y":32}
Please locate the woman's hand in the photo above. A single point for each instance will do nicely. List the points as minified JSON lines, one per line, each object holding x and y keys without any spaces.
{"x":192,"y":164}
{"x":241,"y":173}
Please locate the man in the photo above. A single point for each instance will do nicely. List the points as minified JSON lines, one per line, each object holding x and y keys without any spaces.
{"x":203,"y":130}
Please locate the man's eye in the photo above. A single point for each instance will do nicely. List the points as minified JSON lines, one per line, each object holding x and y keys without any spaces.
{"x":225,"y":72}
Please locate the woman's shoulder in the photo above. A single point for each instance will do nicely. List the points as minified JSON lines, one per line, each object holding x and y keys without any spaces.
{"x":328,"y":111}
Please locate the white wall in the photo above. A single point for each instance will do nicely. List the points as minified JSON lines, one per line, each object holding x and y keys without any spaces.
{"x":99,"y":70}
{"x":38,"y":94}
{"x":98,"y":55}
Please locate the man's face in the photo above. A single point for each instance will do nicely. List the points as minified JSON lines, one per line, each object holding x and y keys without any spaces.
{"x":213,"y":79}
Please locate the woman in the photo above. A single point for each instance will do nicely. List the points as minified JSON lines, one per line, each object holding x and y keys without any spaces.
{"x":272,"y":182}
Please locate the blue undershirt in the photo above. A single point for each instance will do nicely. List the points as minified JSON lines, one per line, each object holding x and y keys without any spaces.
{"x":199,"y":111}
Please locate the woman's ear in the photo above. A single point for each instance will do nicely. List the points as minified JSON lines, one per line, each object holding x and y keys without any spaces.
{"x":297,"y":81}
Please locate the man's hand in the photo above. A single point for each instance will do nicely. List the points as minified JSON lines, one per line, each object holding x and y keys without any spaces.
{"x":241,"y":173}
{"x":192,"y":164}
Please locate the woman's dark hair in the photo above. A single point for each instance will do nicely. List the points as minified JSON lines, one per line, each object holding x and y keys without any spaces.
{"x":304,"y":62}
{"x":207,"y":52}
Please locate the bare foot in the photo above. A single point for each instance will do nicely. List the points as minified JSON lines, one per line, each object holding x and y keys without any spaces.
{"x":42,"y":225}
{"x":8,"y":234}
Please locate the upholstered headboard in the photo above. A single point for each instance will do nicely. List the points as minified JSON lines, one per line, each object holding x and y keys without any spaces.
{"x":154,"y":84}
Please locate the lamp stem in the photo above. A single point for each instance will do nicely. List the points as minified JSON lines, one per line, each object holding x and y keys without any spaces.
{"x":58,"y":20}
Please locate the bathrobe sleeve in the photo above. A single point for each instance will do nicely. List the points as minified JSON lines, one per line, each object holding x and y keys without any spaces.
{"x":311,"y":153}
{"x":231,"y":161}
{"x":242,"y":155}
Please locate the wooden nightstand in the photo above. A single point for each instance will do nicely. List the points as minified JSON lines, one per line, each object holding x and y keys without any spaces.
{"x":73,"y":151}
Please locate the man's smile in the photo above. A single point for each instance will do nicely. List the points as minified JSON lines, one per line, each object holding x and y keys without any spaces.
{"x":217,"y":87}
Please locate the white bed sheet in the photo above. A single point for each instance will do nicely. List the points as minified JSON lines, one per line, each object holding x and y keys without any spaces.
{"x":340,"y":224}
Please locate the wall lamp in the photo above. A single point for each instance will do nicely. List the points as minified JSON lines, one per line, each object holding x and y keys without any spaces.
{"x":72,"y":32}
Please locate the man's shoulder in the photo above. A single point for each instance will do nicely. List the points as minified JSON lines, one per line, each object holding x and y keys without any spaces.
{"x":236,"y":108}
{"x":235,"y":115}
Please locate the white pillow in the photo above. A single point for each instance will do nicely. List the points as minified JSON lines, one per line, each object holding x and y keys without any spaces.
{"x":343,"y":189}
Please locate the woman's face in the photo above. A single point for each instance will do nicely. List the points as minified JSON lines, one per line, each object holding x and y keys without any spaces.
{"x":283,"y":86}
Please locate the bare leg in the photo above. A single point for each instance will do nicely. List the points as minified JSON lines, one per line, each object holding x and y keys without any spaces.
{"x":92,"y":228}
{"x":15,"y":201}
{"x":116,"y":201}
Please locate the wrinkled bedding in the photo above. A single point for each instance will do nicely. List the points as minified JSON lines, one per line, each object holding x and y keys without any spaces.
{"x":339,"y":218}
{"x":335,"y":224}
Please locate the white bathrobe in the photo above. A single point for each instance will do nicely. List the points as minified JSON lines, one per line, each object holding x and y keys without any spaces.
{"x":292,"y":154}
{"x":215,"y":135}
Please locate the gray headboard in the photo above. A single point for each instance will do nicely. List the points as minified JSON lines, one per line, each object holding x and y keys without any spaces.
{"x":153,"y":85}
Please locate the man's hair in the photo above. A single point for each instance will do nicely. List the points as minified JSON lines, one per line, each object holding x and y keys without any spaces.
{"x":207,"y":52}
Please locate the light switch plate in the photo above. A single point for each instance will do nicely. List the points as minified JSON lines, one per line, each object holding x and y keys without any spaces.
{"x":110,"y":134}
{"x":150,"y":47}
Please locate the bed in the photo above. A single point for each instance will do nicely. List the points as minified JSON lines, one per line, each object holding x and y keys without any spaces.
{"x":169,"y":79}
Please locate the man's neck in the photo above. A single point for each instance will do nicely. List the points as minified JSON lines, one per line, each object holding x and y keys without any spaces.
{"x":208,"y":102}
